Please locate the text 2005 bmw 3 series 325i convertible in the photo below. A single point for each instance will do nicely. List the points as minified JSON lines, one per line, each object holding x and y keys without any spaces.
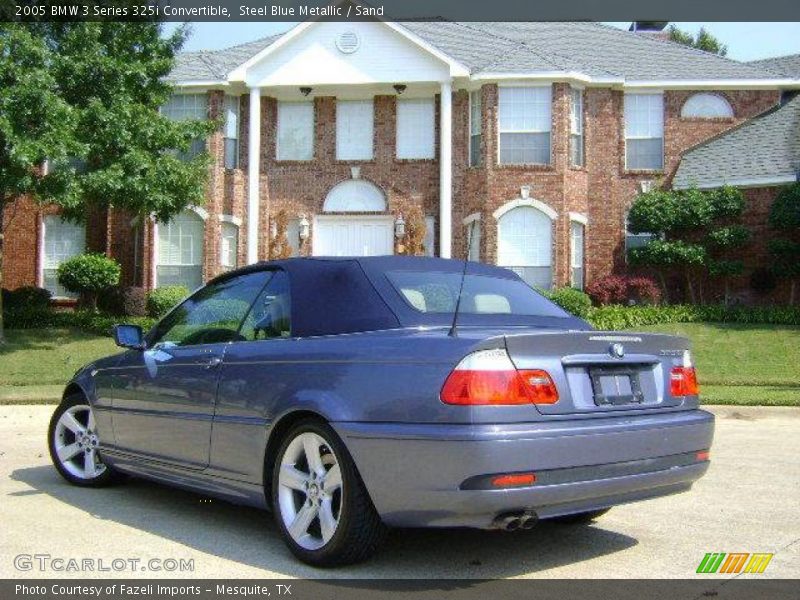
{"x":352,"y":395}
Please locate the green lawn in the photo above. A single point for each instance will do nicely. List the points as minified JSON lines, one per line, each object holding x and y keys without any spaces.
{"x":737,"y":364}
{"x":743,"y":364}
{"x":35,"y":364}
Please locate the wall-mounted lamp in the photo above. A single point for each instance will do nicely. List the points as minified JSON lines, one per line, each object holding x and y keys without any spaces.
{"x":304,"y":228}
{"x":399,"y":226}
{"x":305,"y":90}
{"x":525,"y":192}
{"x":273,"y":229}
{"x":399,"y":88}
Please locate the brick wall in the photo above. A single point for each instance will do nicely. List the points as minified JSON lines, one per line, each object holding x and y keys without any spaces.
{"x":602,"y":190}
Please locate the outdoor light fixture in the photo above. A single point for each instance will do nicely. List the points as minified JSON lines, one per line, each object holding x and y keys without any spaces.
{"x":399,"y":88}
{"x":305,"y":228}
{"x":305,"y":90}
{"x":399,"y":226}
{"x":273,"y":229}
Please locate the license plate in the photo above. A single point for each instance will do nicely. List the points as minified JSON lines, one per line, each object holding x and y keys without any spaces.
{"x":614,"y":386}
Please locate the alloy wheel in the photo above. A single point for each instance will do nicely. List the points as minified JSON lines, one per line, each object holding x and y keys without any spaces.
{"x":76,"y":443}
{"x":310,"y":490}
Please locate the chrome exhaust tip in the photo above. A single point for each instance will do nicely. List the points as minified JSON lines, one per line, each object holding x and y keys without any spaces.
{"x":528,"y":521}
{"x":512,"y":523}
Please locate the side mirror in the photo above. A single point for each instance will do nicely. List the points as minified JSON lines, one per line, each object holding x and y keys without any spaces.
{"x":129,"y":336}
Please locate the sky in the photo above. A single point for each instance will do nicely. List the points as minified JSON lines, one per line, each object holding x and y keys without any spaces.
{"x":745,"y":41}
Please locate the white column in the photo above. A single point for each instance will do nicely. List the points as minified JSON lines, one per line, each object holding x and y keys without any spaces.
{"x":253,"y":174}
{"x":446,"y":170}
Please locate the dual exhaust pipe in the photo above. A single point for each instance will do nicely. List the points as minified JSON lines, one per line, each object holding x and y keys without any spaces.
{"x":515,"y":521}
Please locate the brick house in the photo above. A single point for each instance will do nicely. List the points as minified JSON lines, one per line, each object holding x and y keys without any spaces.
{"x":520,"y":144}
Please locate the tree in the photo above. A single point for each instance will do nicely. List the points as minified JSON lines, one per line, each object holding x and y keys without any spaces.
{"x":35,"y":124}
{"x":85,"y":98}
{"x":279,"y":246}
{"x":784,"y":216}
{"x":696,"y":232}
{"x":88,"y":275}
{"x":702,"y":41}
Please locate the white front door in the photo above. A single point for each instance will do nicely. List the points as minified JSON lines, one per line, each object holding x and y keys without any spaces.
{"x":342,"y":235}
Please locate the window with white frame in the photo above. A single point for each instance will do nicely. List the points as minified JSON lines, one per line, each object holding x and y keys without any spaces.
{"x":428,"y":243}
{"x":231,"y":132}
{"x":576,"y":144}
{"x":354,"y":127}
{"x":474,"y":240}
{"x":576,"y":237}
{"x":524,"y":123}
{"x":475,"y":128}
{"x":644,"y":131}
{"x":707,"y":106}
{"x":229,"y":245}
{"x":185,"y":107}
{"x":636,"y":240}
{"x":180,"y":251}
{"x":415,"y":128}
{"x":295,"y":139}
{"x":61,"y":240}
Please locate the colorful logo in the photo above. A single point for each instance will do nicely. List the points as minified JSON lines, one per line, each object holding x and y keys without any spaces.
{"x":735,"y":562}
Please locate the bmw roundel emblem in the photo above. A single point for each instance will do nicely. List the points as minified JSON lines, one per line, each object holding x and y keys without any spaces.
{"x":617,"y":350}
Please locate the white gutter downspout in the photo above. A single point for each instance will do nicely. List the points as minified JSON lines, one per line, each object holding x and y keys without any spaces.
{"x":446,"y":170}
{"x":253,"y":174}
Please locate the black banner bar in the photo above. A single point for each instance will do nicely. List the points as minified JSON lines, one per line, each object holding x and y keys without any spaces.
{"x":715,"y":587}
{"x":399,"y":10}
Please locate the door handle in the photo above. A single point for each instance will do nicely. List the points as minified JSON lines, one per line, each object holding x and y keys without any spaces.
{"x":213,"y":363}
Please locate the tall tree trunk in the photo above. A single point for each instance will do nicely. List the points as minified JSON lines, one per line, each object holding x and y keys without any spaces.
{"x":689,"y":287}
{"x":2,"y":237}
{"x":663,"y":281}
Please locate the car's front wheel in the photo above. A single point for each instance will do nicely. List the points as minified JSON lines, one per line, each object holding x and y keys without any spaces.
{"x":74,"y":444}
{"x":321,"y":506}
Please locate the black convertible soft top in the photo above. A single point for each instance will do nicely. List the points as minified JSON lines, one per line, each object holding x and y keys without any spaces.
{"x":353,"y":294}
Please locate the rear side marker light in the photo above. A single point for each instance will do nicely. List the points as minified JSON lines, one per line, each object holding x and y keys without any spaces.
{"x":683,"y":381}
{"x":488,"y":377}
{"x":514,"y":480}
{"x":703,"y":455}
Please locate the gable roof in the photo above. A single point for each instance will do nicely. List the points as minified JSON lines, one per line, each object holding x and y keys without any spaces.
{"x":784,"y":66}
{"x":590,"y":49}
{"x":762,"y":151}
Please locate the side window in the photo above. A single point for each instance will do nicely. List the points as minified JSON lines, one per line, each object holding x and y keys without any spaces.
{"x":213,"y":315}
{"x":271,"y":313}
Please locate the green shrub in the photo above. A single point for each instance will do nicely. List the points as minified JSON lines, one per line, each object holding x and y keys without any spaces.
{"x":571,"y":300}
{"x":161,"y":300}
{"x":26,"y":297}
{"x":87,"y":275}
{"x":84,"y":320}
{"x":124,"y":301}
{"x":627,"y":317}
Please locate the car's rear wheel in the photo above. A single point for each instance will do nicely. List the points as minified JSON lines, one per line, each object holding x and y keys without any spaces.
{"x":321,"y":506}
{"x":581,"y":518}
{"x":74,"y":444}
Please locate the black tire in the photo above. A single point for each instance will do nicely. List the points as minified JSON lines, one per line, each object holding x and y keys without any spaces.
{"x":359,"y":531}
{"x":581,"y":518}
{"x":108,"y":476}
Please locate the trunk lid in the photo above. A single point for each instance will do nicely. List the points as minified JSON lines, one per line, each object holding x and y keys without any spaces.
{"x":599,"y":372}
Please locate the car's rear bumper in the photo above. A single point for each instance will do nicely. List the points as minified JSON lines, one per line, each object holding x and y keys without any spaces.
{"x":415,"y":473}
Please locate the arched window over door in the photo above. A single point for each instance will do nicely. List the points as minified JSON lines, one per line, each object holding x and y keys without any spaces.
{"x":355,"y":195}
{"x":180,"y":251}
{"x":524,"y":244}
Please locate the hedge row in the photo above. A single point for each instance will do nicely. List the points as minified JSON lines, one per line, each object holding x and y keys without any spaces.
{"x":627,"y":317}
{"x":97,"y":323}
{"x":604,"y":317}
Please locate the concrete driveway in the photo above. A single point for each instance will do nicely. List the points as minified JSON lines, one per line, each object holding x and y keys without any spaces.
{"x":748,"y":502}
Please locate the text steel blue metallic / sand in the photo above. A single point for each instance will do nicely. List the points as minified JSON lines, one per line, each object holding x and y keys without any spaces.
{"x":352,"y":394}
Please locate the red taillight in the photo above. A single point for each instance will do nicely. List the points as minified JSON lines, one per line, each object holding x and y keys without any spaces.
{"x":514,"y":480}
{"x":484,"y":387}
{"x":703,"y":455}
{"x":683,"y":382}
{"x":488,"y":377}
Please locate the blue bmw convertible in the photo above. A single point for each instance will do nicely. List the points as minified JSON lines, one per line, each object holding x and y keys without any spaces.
{"x":354,"y":394}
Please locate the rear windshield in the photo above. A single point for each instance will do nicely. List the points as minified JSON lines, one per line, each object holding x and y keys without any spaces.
{"x":436,"y":293}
